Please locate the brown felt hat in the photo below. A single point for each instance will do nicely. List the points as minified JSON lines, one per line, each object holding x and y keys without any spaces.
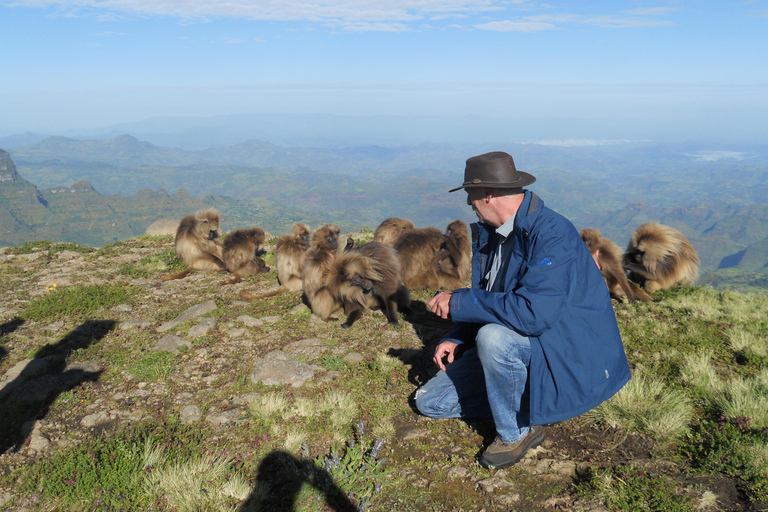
{"x":494,"y":170}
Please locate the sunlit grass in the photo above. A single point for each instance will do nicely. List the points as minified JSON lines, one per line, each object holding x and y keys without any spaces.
{"x":209,"y":484}
{"x":646,"y":405}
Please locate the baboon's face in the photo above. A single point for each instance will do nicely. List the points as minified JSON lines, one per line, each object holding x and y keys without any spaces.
{"x":209,"y":228}
{"x":304,"y":237}
{"x":332,"y":239}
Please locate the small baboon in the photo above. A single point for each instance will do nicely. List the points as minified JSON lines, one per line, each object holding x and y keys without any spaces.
{"x":240,"y":256}
{"x":289,"y":260}
{"x":197,"y":243}
{"x":318,"y":265}
{"x":607,"y":256}
{"x":368,"y":277}
{"x":417,"y":250}
{"x":454,"y":261}
{"x":658,"y":257}
{"x":432,"y":259}
{"x":390,"y":229}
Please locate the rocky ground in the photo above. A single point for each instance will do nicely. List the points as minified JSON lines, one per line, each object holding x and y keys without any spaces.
{"x":80,"y":385}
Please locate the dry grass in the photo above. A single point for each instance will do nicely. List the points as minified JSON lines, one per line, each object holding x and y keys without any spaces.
{"x":646,"y":405}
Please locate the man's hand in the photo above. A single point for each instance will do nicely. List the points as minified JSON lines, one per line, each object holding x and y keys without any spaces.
{"x":440,"y":304}
{"x":447,"y":350}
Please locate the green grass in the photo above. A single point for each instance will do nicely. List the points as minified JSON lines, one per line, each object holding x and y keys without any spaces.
{"x":154,"y":365}
{"x":632,"y":489}
{"x":153,"y":265}
{"x":79,"y":301}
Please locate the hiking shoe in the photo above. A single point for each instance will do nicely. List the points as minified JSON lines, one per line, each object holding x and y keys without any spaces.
{"x":501,"y":454}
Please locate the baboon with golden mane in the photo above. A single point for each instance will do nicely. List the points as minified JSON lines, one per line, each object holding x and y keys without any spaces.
{"x":390,"y":229}
{"x":658,"y":257}
{"x":454,"y":261}
{"x":318,"y":265}
{"x":607,"y":256}
{"x":432,"y":259}
{"x":289,"y":260}
{"x":239,"y":253}
{"x":197,"y":243}
{"x":368,"y":276}
{"x":417,"y":250}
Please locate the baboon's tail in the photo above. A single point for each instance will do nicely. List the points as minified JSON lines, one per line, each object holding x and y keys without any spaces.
{"x":639,"y":293}
{"x":247,"y":296}
{"x":178,"y":275}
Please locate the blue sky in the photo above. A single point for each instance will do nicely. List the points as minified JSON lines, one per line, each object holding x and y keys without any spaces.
{"x":698,"y":66}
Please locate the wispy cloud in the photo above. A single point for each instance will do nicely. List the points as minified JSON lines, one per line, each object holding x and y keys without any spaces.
{"x":110,"y":33}
{"x":516,"y":26}
{"x":653,"y":11}
{"x":363,"y":15}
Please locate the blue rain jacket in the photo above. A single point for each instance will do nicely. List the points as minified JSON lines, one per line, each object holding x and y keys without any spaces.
{"x":552,"y":292}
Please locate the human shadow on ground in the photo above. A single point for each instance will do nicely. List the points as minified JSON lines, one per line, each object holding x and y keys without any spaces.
{"x":6,"y":329}
{"x":279,"y":482}
{"x":29,"y":395}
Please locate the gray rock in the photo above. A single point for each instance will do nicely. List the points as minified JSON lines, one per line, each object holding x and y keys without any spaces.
{"x":354,"y":357}
{"x":190,"y":414}
{"x":280,"y":368}
{"x":458,"y":473}
{"x":494,"y":484}
{"x":309,"y":348}
{"x":69,"y":255}
{"x":201,"y":329}
{"x":137,"y":323}
{"x":122,"y":308}
{"x":27,"y":370}
{"x":193,"y":312}
{"x":250,"y":321}
{"x":95,"y":419}
{"x":237,"y":333}
{"x":299,"y":308}
{"x":171,"y":343}
{"x":184,"y":397}
{"x":219,"y":419}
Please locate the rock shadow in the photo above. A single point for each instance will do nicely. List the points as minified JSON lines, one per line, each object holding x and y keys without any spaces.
{"x":39,"y":382}
{"x":280,"y":479}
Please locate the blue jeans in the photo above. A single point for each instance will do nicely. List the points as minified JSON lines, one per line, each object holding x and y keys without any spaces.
{"x":488,"y":381}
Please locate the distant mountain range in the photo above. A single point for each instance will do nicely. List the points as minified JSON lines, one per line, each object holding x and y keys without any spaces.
{"x":718,"y":198}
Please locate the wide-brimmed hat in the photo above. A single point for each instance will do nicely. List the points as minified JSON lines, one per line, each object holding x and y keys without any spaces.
{"x":494,"y":170}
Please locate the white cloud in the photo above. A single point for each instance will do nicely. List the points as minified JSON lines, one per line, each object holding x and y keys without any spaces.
{"x":653,"y":11}
{"x":516,"y":26}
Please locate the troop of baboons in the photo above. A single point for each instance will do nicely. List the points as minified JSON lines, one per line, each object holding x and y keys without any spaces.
{"x":379,"y":274}
{"x":657,"y":258}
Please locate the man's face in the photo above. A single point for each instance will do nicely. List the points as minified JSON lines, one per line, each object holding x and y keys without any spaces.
{"x":476,"y":199}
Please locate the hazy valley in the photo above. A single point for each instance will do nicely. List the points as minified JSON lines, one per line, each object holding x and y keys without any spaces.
{"x":100,"y":190}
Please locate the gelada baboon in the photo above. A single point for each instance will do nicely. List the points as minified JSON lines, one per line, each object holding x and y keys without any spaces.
{"x":289,"y":260}
{"x":318,"y":265}
{"x":197,"y":243}
{"x":390,"y":229}
{"x":607,"y":256}
{"x":368,"y":276}
{"x":239,"y":253}
{"x":417,"y":250}
{"x":454,"y":261}
{"x":658,"y":257}
{"x":432,"y":259}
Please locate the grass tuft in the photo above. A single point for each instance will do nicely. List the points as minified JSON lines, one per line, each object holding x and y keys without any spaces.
{"x":647,"y":406}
